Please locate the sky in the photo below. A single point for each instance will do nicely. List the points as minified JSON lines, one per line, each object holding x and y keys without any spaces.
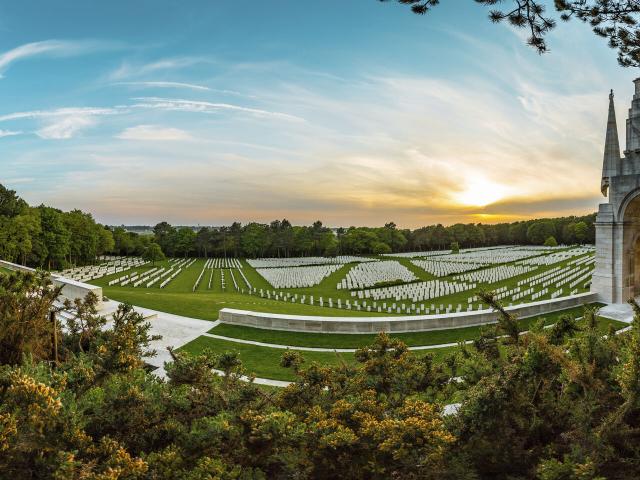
{"x":352,"y":112}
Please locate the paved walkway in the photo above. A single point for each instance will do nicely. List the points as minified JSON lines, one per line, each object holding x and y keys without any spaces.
{"x":176,"y":331}
{"x":618,"y":311}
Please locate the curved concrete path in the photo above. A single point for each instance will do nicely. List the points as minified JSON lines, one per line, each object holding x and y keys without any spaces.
{"x":176,"y":331}
{"x":320,"y":349}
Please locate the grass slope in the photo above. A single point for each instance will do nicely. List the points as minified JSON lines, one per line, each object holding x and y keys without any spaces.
{"x":264,"y":362}
{"x":207,"y":305}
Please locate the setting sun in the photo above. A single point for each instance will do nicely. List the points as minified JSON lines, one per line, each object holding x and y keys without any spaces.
{"x":480,"y":192}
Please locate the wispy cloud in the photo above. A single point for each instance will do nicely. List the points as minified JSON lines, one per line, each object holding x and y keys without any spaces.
{"x":164,"y":85}
{"x":181,"y":105}
{"x":131,"y":70}
{"x":190,"y":86}
{"x":62,"y":123}
{"x":379,"y":143}
{"x":66,"y":127}
{"x":153,"y":133}
{"x":9,"y":133}
{"x":57,"y":48}
{"x":61,"y":112}
{"x":383,"y":149}
{"x":19,"y":180}
{"x":65,"y":123}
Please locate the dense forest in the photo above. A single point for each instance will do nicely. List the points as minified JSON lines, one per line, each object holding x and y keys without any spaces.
{"x":47,"y":237}
{"x":559,"y":403}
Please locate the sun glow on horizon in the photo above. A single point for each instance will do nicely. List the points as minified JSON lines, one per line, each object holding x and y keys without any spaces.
{"x":480,"y":192}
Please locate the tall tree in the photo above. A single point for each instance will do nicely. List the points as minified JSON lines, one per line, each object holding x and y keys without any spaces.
{"x":153,"y":253}
{"x":10,"y":203}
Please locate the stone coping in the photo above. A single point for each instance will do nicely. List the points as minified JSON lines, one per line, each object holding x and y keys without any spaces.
{"x":397,"y":324}
{"x":71,"y":289}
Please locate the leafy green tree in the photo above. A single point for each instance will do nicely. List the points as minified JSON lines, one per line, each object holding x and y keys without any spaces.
{"x":539,"y":231}
{"x":85,"y":237}
{"x":10,"y":203}
{"x":203,"y":242}
{"x":569,"y":233}
{"x":380,"y":248}
{"x":165,"y":236}
{"x":255,"y":239}
{"x":18,"y":235}
{"x":581,"y":231}
{"x":235,"y":236}
{"x":153,"y":253}
{"x":551,"y":242}
{"x":455,"y":247}
{"x":55,"y":237}
{"x":185,"y":241}
{"x":106,"y":242}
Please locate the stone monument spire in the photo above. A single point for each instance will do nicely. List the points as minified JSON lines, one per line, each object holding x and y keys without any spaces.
{"x":633,"y":122}
{"x":611,"y":160}
{"x":616,"y":277}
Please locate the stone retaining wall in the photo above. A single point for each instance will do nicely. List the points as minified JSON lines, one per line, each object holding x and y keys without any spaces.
{"x":399,"y":324}
{"x":71,"y":289}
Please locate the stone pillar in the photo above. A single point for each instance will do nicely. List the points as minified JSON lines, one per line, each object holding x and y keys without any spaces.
{"x":603,"y":281}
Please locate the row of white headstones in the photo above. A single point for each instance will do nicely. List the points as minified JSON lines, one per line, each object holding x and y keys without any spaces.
{"x":109,"y":266}
{"x":305,"y":261}
{"x":148,"y":278}
{"x":373,"y":272}
{"x":572,"y":274}
{"x":217,"y":263}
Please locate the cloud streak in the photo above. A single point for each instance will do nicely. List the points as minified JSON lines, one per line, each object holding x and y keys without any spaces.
{"x":180,"y":105}
{"x":66,"y":127}
{"x":153,"y":133}
{"x":52,"y":48}
{"x":62,"y":112}
{"x":131,"y":70}
{"x":190,"y":86}
{"x":9,"y":133}
{"x":62,"y":123}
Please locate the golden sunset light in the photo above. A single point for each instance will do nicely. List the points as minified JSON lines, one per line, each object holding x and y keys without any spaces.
{"x":480,"y":192}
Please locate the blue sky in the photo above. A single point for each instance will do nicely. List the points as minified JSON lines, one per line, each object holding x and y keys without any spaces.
{"x":353,"y":112}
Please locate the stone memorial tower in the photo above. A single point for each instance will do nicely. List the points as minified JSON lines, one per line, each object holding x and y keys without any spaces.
{"x":617,"y":270}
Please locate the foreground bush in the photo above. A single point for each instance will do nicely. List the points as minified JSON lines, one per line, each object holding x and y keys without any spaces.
{"x":77,"y":403}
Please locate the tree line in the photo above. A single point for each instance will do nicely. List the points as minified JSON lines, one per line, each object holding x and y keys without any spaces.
{"x":49,"y":238}
{"x":282,"y":239}
{"x":556,"y":403}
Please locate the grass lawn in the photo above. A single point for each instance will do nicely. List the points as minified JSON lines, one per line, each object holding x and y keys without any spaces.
{"x":206,"y":305}
{"x":336,"y":340}
{"x":264,"y":362}
{"x":177,"y":297}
